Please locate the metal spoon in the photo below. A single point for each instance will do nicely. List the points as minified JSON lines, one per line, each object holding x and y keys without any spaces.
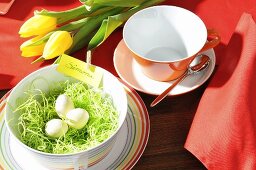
{"x":204,"y":62}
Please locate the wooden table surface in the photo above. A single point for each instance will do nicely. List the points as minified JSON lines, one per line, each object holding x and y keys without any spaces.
{"x":170,"y":121}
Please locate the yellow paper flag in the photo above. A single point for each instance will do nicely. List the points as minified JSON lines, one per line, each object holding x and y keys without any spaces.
{"x":80,"y":70}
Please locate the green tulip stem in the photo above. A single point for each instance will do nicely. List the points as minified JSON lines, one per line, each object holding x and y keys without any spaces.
{"x":92,"y":24}
{"x":65,"y":16}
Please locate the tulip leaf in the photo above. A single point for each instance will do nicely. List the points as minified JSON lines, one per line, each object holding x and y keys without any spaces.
{"x":120,"y":3}
{"x":42,"y":40}
{"x":112,"y":22}
{"x":81,"y":43}
{"x":106,"y":28}
{"x":39,"y":59}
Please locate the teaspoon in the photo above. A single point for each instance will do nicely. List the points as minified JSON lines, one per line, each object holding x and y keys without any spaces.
{"x":204,"y":62}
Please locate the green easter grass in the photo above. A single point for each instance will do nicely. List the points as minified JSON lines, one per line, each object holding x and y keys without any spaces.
{"x":38,"y":108}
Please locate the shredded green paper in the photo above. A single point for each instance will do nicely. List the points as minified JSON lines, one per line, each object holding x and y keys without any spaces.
{"x":37,"y":108}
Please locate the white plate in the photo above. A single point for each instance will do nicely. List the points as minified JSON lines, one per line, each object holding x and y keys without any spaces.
{"x":129,"y":71}
{"x":129,"y":146}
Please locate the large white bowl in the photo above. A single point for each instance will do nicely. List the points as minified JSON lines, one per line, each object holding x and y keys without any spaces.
{"x":111,"y":85}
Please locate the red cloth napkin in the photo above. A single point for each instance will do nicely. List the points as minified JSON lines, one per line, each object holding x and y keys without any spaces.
{"x":223,"y":132}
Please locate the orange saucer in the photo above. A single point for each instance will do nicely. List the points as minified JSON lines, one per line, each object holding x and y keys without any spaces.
{"x":129,"y":71}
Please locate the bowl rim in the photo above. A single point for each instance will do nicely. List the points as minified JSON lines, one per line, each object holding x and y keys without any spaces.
{"x":111,"y":137}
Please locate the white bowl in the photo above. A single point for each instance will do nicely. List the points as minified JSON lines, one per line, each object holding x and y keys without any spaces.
{"x":111,"y":85}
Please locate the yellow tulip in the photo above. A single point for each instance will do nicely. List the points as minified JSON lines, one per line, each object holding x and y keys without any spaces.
{"x":30,"y":51}
{"x":38,"y":25}
{"x":57,"y":44}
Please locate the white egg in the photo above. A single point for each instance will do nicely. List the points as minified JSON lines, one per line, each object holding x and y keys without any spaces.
{"x":56,"y":128}
{"x":63,"y":105}
{"x":77,"y":118}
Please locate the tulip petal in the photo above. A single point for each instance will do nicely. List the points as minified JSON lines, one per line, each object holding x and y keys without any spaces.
{"x":29,"y":50}
{"x":38,"y":25}
{"x":30,"y":53}
{"x":57,"y":44}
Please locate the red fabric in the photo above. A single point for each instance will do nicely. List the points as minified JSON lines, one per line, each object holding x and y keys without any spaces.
{"x":223,"y":133}
{"x":219,"y":14}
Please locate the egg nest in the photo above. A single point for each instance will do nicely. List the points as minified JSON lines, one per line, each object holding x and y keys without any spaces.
{"x":38,"y":107}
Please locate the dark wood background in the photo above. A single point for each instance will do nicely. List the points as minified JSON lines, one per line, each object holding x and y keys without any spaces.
{"x":170,"y":121}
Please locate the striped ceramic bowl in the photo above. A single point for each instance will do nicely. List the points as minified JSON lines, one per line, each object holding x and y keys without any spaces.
{"x":83,"y":159}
